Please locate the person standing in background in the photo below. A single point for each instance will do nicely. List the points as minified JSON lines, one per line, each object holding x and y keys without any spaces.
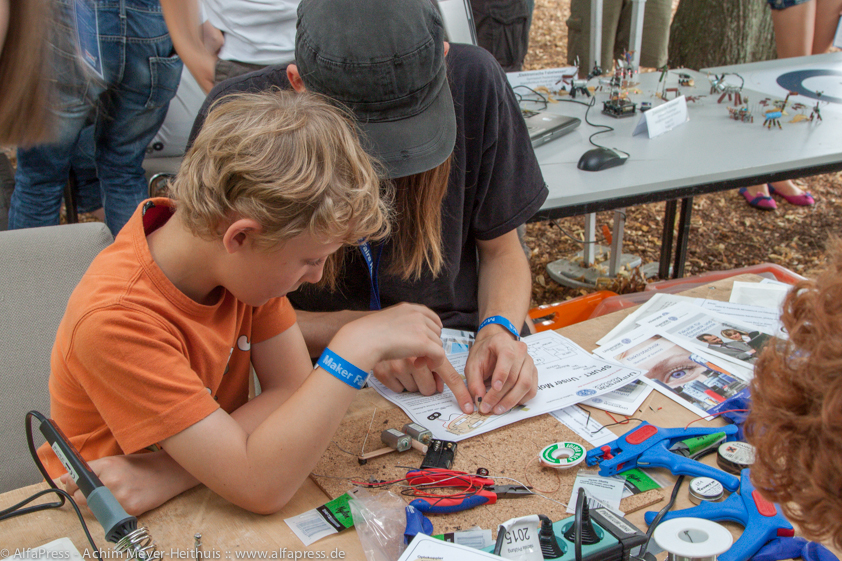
{"x":802,"y":28}
{"x":140,"y":74}
{"x":503,"y":29}
{"x":616,"y":31}
{"x":236,"y":37}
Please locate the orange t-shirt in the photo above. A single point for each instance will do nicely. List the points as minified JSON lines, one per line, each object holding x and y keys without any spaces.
{"x":136,"y":361}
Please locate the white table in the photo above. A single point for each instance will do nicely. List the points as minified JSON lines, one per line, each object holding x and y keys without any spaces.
{"x":709,"y":153}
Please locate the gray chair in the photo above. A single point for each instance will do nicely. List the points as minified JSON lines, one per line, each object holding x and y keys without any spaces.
{"x":39,"y":268}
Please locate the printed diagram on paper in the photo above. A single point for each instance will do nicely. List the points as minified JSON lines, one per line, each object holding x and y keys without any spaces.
{"x":567,"y":374}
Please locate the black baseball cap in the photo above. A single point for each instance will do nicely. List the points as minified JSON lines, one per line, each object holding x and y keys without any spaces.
{"x":384,"y":60}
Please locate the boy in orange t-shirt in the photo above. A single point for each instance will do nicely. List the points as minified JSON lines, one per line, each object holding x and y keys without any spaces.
{"x":150,"y":368}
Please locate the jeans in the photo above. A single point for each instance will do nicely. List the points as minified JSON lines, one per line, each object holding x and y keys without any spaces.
{"x":141,"y":74}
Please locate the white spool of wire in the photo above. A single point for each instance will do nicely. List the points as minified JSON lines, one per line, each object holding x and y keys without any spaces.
{"x":562,"y":455}
{"x":692,"y":539}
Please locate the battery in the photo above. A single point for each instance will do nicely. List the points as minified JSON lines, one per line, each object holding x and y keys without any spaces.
{"x":417,"y":432}
{"x":393,"y":438}
{"x":734,"y":457}
{"x":705,"y":489}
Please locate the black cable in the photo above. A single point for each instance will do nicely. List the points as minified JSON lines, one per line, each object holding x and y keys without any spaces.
{"x":541,"y":97}
{"x":607,"y":128}
{"x":663,"y":512}
{"x":577,"y":523}
{"x":13,"y":511}
{"x":18,"y":510}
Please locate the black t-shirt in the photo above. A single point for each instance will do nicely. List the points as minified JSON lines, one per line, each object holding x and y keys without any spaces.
{"x":495,"y":186}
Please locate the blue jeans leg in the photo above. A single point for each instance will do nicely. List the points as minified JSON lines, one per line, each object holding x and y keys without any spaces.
{"x":135,"y":105}
{"x":89,"y":197}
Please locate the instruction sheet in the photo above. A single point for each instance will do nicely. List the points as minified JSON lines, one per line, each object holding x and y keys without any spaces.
{"x":567,"y":374}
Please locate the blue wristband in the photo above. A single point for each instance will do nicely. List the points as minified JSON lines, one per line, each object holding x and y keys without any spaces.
{"x":334,"y":364}
{"x":500,"y":320}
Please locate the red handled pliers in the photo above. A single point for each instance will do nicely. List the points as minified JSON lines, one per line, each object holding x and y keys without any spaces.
{"x":476,"y":490}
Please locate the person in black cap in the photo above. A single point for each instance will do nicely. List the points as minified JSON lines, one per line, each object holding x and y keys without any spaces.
{"x":446,"y":127}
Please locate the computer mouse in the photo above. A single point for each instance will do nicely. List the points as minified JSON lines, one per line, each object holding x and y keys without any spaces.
{"x":601,"y":158}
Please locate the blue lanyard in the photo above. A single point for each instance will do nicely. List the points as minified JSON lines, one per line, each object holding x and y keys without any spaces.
{"x":373,"y":268}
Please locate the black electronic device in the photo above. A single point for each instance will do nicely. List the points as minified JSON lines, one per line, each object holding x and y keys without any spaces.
{"x":440,"y":454}
{"x":599,"y":159}
{"x":602,"y":536}
{"x":619,"y":108}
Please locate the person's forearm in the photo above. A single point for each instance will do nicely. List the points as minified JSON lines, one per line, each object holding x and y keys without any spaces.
{"x":184,"y":25}
{"x":505,"y":284}
{"x":261,"y":471}
{"x":319,"y":328}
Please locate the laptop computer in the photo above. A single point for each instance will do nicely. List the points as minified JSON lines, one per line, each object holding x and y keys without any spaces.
{"x":544,"y":126}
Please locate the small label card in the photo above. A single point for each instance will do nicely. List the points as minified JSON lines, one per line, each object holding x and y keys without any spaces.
{"x":663,"y":118}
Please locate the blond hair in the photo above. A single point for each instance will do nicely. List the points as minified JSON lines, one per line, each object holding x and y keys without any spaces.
{"x":24,"y":114}
{"x":290,"y":161}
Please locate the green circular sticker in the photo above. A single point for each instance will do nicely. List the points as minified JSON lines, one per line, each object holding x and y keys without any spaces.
{"x":562,"y":455}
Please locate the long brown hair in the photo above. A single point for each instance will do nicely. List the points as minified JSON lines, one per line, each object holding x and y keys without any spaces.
{"x":416,"y":232}
{"x":796,"y":410}
{"x":24,"y":115}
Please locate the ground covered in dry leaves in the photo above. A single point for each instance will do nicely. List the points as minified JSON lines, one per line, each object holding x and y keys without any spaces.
{"x":725,"y":232}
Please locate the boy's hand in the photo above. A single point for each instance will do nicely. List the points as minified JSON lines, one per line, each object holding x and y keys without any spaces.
{"x":400,"y":375}
{"x":514,"y":378}
{"x":408,"y":333}
{"x":139,"y":482}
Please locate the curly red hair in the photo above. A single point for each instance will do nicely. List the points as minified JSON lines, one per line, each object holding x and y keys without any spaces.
{"x":796,"y":413}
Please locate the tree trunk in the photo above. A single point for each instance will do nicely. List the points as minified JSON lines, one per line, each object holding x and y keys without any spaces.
{"x":707,"y":33}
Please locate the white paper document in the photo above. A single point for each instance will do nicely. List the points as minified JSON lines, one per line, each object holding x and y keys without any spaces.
{"x":663,"y":118}
{"x":601,"y":491}
{"x":757,"y":318}
{"x":765,"y":318}
{"x":550,"y":78}
{"x":681,"y":372}
{"x":425,"y":548}
{"x":567,"y":374}
{"x":579,"y":421}
{"x":714,"y":334}
{"x":624,"y":401}
{"x":765,"y":295}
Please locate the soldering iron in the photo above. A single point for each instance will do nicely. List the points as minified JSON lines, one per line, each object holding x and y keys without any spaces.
{"x":120,"y":527}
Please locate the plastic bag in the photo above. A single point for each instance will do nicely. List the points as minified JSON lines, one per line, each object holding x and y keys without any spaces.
{"x":380,"y":520}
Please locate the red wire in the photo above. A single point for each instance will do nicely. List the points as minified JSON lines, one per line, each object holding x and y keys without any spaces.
{"x":619,"y":422}
{"x":715,"y":415}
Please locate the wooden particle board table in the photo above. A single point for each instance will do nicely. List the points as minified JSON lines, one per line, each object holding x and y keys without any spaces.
{"x":231,"y":531}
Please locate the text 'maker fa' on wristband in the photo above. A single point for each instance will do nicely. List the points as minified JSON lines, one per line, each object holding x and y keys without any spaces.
{"x":339,"y":367}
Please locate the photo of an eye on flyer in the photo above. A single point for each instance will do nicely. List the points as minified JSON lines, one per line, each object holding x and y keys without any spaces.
{"x":681,"y":372}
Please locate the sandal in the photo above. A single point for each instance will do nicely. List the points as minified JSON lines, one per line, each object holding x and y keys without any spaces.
{"x":804,"y":199}
{"x":760,"y":201}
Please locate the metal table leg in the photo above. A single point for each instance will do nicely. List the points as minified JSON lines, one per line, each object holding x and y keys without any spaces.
{"x":666,"y":240}
{"x":683,"y":237}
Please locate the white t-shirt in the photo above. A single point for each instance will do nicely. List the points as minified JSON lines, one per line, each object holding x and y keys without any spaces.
{"x":256,"y":31}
